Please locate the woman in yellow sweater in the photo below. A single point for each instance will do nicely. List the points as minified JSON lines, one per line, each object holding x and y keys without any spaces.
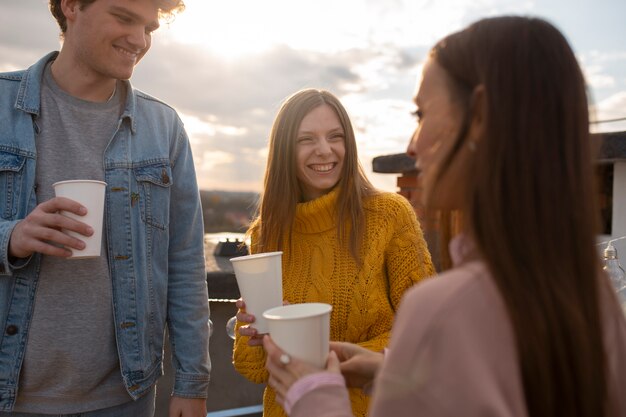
{"x":344,"y":242}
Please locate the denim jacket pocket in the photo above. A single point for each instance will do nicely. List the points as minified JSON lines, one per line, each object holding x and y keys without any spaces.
{"x":154,"y":182}
{"x":11,"y":172}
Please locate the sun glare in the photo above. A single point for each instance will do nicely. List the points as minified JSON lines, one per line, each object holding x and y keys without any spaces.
{"x":229,"y":29}
{"x":234,"y":29}
{"x":204,"y":23}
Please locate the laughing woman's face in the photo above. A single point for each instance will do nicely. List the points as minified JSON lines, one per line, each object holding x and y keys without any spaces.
{"x":320,"y":150}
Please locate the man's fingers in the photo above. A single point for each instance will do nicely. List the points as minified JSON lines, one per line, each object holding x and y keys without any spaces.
{"x":46,"y":249}
{"x":62,"y":204}
{"x":48,"y":234}
{"x":48,"y":215}
{"x":44,"y":232}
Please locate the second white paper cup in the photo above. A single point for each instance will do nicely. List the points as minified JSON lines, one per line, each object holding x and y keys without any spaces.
{"x":260,"y":282}
{"x":90,"y":194}
{"x":302,"y":330}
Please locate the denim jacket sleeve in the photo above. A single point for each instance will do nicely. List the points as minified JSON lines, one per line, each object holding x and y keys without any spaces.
{"x":188,"y":307}
{"x":17,"y":157}
{"x":6,"y":228}
{"x":16,"y":175}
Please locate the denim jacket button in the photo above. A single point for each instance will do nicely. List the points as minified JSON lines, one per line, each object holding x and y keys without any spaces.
{"x":11,"y":330}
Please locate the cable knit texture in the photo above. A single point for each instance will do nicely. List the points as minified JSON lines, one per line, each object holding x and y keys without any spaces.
{"x":316,"y":268}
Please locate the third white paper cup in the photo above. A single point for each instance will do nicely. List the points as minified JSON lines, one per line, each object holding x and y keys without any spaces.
{"x":90,"y":194}
{"x":260,"y":282}
{"x":302,"y":330}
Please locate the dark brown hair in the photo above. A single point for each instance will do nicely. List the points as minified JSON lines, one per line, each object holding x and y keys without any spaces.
{"x":167,"y":8}
{"x":530,"y":204}
{"x":281,"y":190}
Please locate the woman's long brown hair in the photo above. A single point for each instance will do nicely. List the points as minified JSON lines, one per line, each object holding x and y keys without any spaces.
{"x":531,"y":204}
{"x":281,"y":191}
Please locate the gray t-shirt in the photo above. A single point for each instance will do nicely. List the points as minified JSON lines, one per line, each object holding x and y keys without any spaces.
{"x":71,"y":363}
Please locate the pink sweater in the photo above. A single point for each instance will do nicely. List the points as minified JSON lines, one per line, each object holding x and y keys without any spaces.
{"x":452,"y":353}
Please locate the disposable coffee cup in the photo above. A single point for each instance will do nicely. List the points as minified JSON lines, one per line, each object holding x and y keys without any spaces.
{"x":90,"y":194}
{"x":260,"y":281}
{"x":302,"y":330}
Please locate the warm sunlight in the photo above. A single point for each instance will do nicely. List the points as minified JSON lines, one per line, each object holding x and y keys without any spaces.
{"x":236,"y":29}
{"x":204,"y":23}
{"x":252,"y":54}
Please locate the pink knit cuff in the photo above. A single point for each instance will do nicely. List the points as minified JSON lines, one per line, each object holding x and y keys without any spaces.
{"x":310,"y":383}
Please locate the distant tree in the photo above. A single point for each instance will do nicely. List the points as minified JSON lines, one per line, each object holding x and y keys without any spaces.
{"x":227,"y":211}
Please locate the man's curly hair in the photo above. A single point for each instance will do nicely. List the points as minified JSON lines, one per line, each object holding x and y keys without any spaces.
{"x":167,"y":10}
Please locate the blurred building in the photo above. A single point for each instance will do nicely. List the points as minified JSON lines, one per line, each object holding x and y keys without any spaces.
{"x":611,"y":177}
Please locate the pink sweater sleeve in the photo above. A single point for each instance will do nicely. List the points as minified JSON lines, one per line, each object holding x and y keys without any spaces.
{"x":322,"y":394}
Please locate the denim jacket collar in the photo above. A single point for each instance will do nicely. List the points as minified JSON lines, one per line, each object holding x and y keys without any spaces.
{"x":29,"y":96}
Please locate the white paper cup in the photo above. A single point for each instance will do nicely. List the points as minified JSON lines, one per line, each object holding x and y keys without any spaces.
{"x":302,"y":330}
{"x":260,"y":282}
{"x":90,"y":194}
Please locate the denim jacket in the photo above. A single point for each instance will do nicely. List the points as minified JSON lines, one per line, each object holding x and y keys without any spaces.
{"x":153,"y":221}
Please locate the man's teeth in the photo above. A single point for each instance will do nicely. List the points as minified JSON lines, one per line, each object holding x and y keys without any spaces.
{"x":127,"y":53}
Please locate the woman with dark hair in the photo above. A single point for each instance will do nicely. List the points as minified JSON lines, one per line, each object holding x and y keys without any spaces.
{"x":344,"y":242}
{"x":525,"y":323}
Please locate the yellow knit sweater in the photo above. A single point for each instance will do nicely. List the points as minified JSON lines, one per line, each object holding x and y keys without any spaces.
{"x":364,"y":299}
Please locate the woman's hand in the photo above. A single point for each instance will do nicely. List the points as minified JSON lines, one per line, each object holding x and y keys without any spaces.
{"x":359,"y":366}
{"x":285,"y":370}
{"x":249,"y":331}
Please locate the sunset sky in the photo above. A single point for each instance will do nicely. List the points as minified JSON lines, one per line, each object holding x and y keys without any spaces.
{"x":226,"y":66}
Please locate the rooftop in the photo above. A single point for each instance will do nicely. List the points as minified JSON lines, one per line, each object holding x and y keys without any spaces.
{"x":612,"y":148}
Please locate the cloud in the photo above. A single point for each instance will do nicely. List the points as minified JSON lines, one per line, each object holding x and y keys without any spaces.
{"x":614,"y":107}
{"x":27,"y":31}
{"x":228,"y":105}
{"x":607,"y":56}
{"x":367,"y":52}
{"x":225,"y":88}
{"x":600,"y":68}
{"x":597,"y":78}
